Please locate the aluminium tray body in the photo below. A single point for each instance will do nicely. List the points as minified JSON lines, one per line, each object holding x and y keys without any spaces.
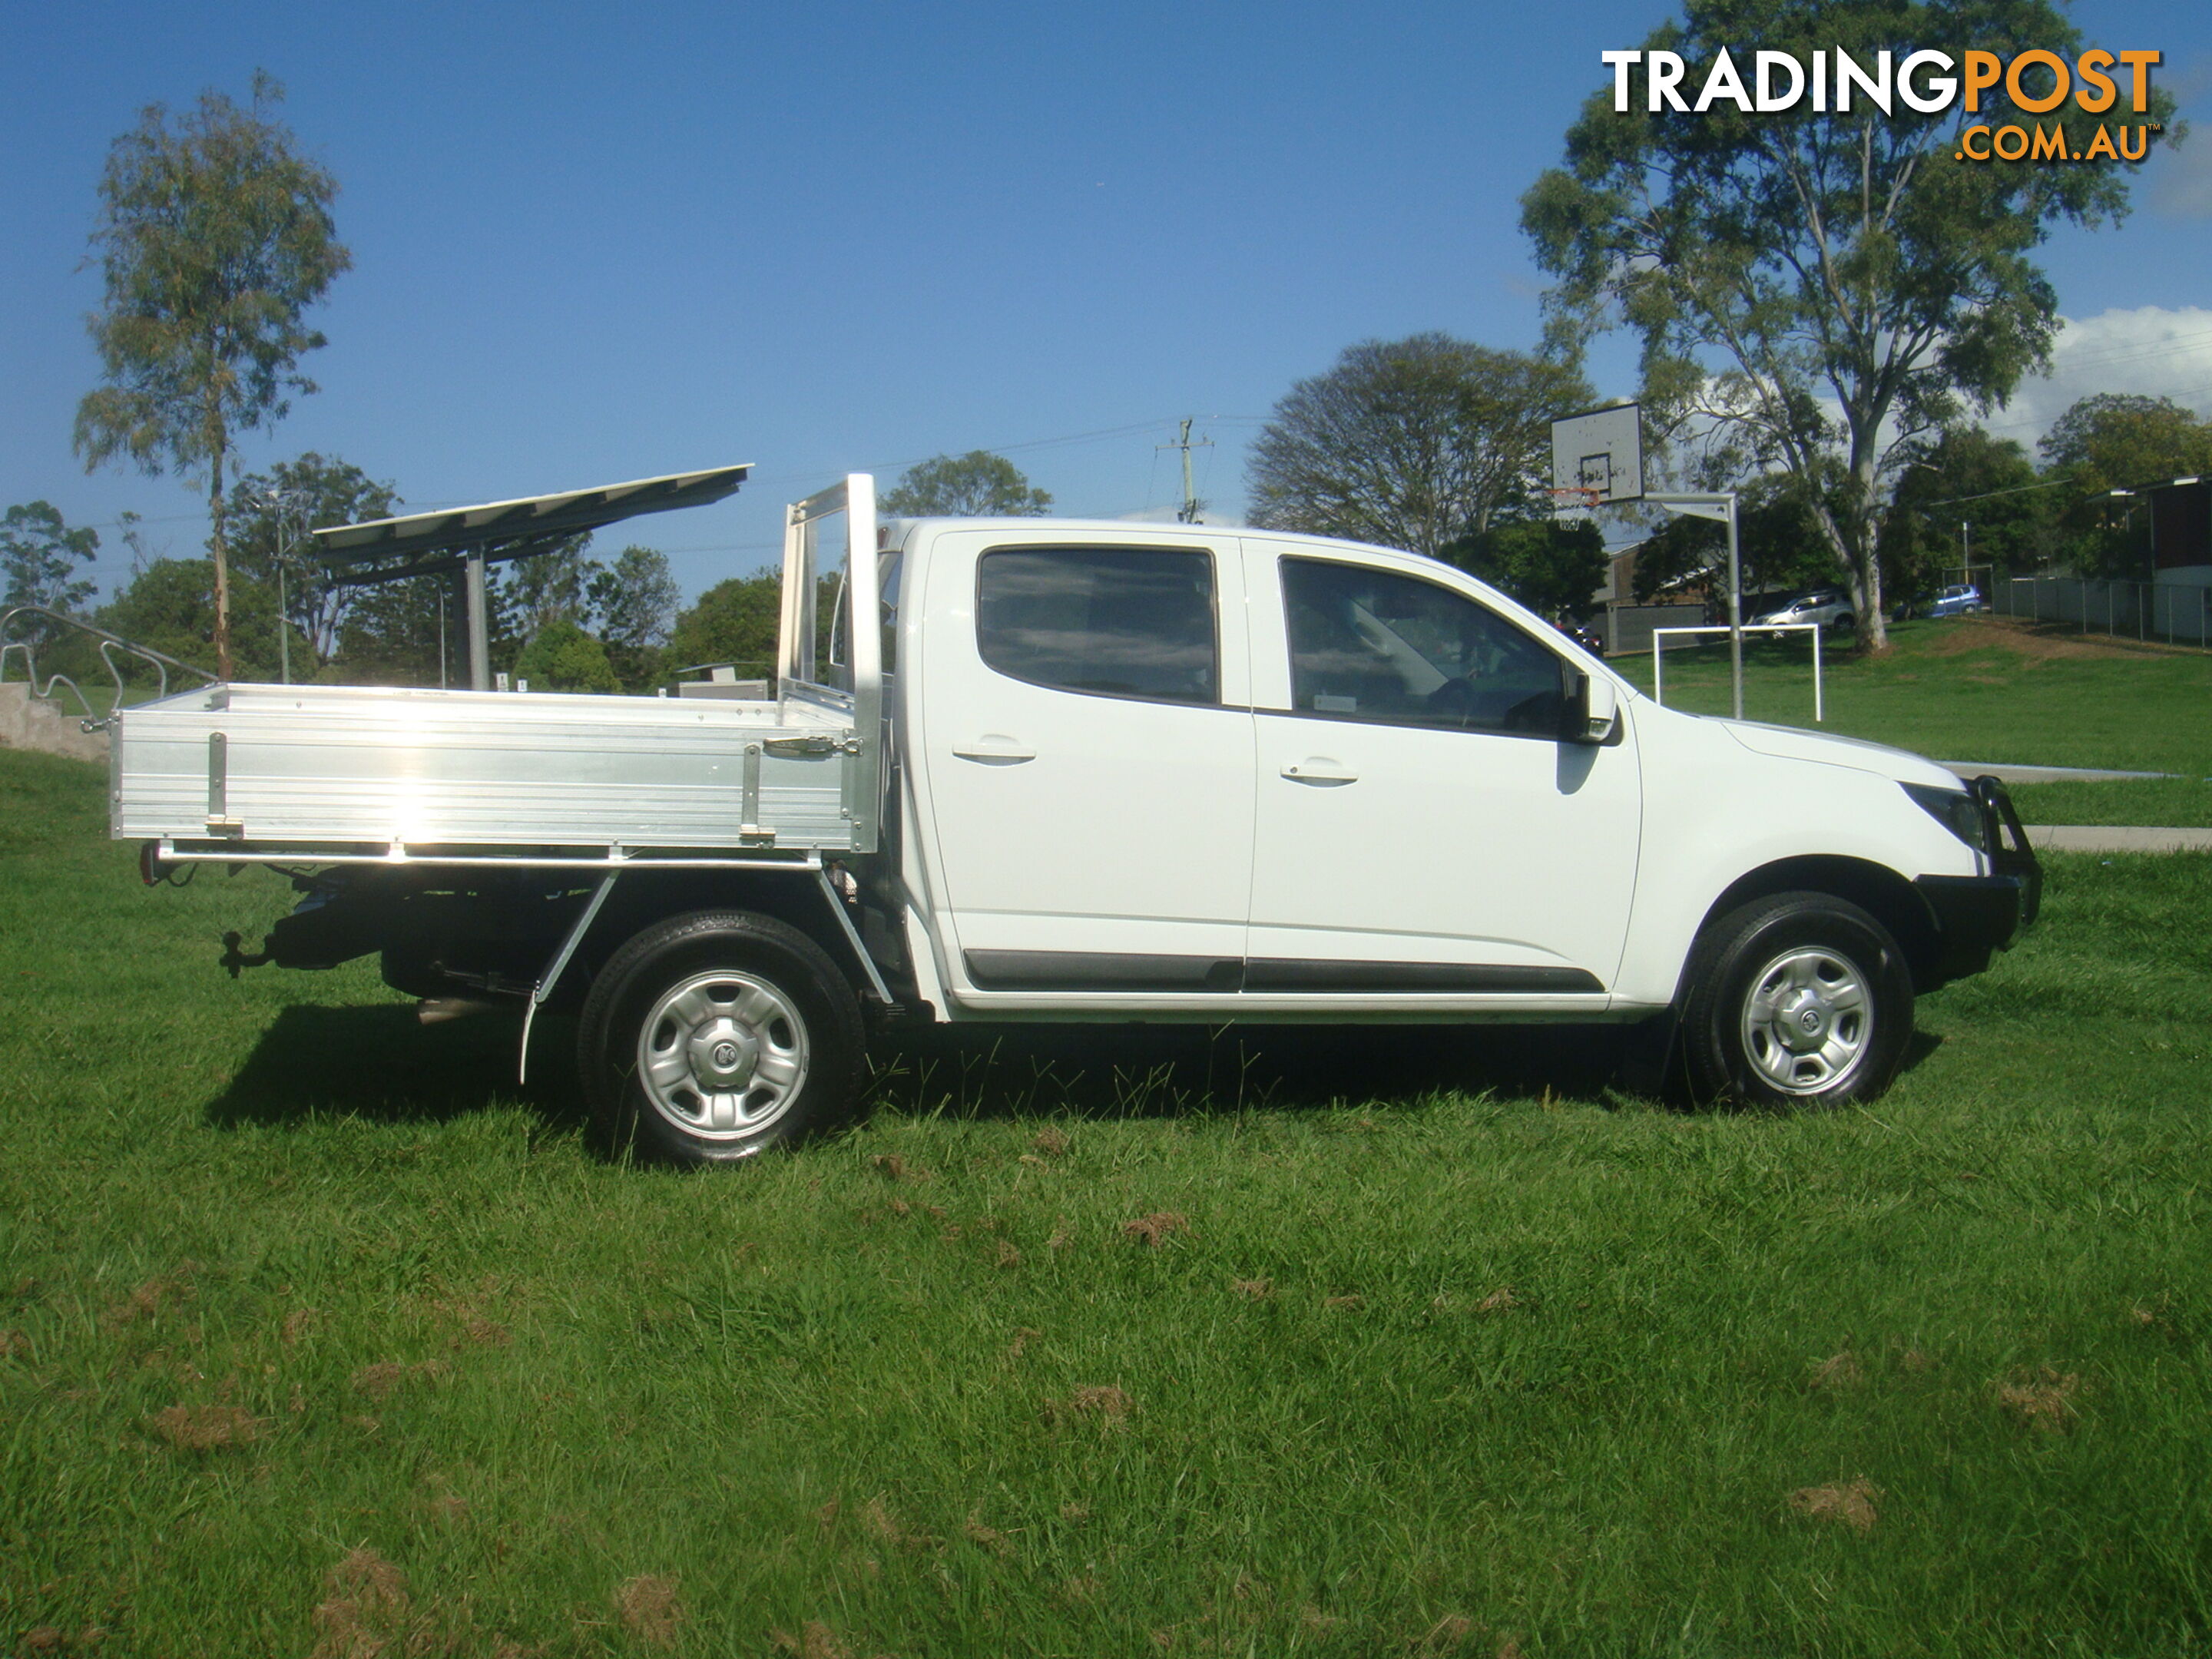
{"x":309,"y":766}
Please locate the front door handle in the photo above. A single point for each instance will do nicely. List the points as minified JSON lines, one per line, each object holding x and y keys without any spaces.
{"x":1321,"y":771}
{"x":994,"y":748}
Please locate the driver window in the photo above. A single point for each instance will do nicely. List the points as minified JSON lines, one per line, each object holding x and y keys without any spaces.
{"x":1371,"y":645}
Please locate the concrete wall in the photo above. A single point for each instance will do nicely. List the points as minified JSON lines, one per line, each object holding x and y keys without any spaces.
{"x":26,"y":722}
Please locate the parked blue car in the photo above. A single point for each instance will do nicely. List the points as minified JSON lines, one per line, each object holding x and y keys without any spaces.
{"x":1955,"y":600}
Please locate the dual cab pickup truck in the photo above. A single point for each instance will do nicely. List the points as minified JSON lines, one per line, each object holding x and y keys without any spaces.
{"x":1081,"y":771}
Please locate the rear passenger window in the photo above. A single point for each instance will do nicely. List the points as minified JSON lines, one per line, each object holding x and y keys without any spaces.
{"x":1117,"y":621}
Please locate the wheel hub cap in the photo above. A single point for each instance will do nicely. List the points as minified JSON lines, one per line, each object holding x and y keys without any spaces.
{"x":1807,"y":1021}
{"x":722,"y":1055}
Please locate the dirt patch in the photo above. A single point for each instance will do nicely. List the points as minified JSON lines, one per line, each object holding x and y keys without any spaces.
{"x":649,"y":1609}
{"x":1258,"y":1289}
{"x":892,"y":1167}
{"x":875,"y":1516}
{"x":1839,"y":1370}
{"x":2034,"y":642}
{"x":1053,"y":1143}
{"x":207,"y":1428}
{"x":1501,"y":1300}
{"x":471,"y":1324}
{"x":365,"y":1607}
{"x":1158,"y":1225}
{"x":380,"y":1381}
{"x":815,"y":1640}
{"x":2043,"y":1402}
{"x":1104,"y":1404}
{"x":990,"y":1538}
{"x":150,"y":1297}
{"x":1851,"y":1503}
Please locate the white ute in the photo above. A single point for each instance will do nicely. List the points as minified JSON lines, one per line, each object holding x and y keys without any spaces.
{"x":1101,"y":772}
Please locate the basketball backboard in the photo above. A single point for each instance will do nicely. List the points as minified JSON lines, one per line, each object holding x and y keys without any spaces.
{"x":1597,"y":457}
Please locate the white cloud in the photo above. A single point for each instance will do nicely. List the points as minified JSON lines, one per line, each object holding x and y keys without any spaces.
{"x":2150,"y":350}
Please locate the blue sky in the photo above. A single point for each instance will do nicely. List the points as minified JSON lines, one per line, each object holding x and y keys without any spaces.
{"x":594,"y":243}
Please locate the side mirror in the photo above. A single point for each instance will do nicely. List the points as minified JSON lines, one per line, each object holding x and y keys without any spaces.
{"x":1593,"y":713}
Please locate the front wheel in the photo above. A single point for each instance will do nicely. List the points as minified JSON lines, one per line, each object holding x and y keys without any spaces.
{"x":1799,"y":1000}
{"x":713,"y":1036}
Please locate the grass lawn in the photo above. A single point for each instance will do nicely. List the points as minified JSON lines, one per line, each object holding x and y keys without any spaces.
{"x":320,"y":1336}
{"x":1994,"y":690}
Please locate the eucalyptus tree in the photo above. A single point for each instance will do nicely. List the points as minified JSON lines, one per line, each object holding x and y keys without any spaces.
{"x":215,"y":236}
{"x":1826,"y":284}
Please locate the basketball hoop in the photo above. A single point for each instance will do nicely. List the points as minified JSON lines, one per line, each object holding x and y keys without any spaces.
{"x":1597,"y":458}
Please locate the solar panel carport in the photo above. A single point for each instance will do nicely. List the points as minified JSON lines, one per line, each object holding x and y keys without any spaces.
{"x":469,"y":539}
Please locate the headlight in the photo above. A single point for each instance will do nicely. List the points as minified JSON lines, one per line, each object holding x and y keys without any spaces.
{"x":1955,"y":810}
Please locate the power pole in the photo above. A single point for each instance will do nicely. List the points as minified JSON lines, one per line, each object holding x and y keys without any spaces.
{"x":1187,"y":514}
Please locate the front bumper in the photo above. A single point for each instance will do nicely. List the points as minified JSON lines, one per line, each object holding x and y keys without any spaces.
{"x":1975,"y":916}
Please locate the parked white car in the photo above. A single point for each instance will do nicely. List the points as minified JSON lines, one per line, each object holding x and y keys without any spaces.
{"x":1098,"y":772}
{"x":1826,"y":606}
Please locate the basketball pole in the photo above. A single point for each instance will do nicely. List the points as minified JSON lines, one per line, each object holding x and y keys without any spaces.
{"x":1599,"y":438}
{"x":1721,"y":508}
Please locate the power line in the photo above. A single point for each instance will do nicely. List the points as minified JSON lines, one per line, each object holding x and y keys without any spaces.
{"x":1187,"y":514}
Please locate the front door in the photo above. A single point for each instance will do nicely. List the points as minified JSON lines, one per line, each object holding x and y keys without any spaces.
{"x":1420,"y":827}
{"x":1089,"y":760}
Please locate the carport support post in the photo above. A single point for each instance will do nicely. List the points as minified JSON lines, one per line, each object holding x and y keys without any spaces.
{"x":479,"y":625}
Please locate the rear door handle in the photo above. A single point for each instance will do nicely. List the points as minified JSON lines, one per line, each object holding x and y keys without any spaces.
{"x":1321,"y":771}
{"x":994,"y":748}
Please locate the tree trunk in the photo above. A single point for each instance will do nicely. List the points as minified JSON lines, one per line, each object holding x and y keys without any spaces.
{"x":218,"y":546}
{"x":1866,"y":552}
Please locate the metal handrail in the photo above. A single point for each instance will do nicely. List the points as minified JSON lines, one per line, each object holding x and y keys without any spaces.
{"x":109,"y":645}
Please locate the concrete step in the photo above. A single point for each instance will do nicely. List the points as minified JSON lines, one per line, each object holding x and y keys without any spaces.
{"x":30,"y":722}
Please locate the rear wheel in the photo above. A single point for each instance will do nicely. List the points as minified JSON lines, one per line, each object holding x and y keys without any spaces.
{"x":1799,"y":1000}
{"x":713,"y":1036}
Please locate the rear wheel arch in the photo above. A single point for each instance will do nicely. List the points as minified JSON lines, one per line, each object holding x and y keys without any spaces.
{"x":644,"y":898}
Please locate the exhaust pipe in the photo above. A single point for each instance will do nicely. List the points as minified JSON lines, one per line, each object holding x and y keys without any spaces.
{"x":436,"y":1011}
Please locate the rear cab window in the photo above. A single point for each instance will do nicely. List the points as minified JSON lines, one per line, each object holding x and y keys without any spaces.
{"x":1114,"y":622}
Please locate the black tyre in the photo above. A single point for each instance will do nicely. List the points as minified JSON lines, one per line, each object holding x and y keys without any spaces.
{"x":1799,"y":1000}
{"x":712,"y":1036}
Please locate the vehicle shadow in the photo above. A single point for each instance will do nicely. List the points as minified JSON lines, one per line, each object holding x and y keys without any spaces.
{"x":382,"y":1064}
{"x":1142,"y":1071}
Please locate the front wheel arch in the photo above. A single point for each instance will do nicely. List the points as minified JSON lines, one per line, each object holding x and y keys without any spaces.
{"x":1876,"y":889}
{"x":1795,"y":998}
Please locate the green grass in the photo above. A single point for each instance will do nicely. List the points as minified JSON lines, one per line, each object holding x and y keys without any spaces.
{"x":1533,"y":1364}
{"x":1990,"y":689}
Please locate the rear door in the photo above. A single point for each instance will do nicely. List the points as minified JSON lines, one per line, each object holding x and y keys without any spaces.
{"x":1420,"y":827}
{"x":1088,"y":758}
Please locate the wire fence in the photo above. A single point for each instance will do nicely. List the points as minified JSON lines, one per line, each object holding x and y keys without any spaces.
{"x":2173,"y":612}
